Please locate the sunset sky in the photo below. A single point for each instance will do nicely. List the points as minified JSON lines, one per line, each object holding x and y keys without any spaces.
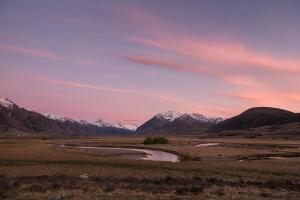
{"x":128,"y":60}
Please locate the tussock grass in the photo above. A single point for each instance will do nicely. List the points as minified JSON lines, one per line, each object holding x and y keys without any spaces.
{"x":54,"y":171}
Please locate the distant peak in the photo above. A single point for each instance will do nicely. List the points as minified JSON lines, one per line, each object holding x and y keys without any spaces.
{"x":203,"y":118}
{"x":126,"y":124}
{"x":84,"y":122}
{"x":169,"y":115}
{"x":57,"y":117}
{"x":5,"y":102}
{"x":172,"y":115}
{"x":102,"y":123}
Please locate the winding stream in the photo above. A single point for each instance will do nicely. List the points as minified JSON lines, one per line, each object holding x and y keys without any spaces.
{"x":132,"y":153}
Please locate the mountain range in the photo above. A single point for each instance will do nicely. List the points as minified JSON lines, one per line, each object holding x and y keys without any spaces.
{"x":14,"y":117}
{"x":254,"y":121}
{"x":177,"y":123}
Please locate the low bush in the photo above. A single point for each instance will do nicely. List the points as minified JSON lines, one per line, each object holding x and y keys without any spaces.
{"x":187,"y":157}
{"x":156,"y":140}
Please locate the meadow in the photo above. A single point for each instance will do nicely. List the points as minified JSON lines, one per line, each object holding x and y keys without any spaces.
{"x":234,"y":168}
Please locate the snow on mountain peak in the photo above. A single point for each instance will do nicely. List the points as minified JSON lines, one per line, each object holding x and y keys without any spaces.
{"x":126,"y":124}
{"x":84,"y":122}
{"x":102,"y":123}
{"x":57,"y":117}
{"x":169,"y":115}
{"x":6,"y":102}
{"x":204,"y":118}
{"x":197,"y":116}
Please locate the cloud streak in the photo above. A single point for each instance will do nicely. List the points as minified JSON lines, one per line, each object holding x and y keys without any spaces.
{"x":30,"y":51}
{"x":224,"y":53}
{"x":162,"y":63}
{"x":49,"y":55}
{"x":107,"y":89}
{"x":290,"y":100}
{"x":242,"y":80}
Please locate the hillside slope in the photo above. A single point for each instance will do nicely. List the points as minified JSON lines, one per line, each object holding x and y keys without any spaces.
{"x":257,"y":117}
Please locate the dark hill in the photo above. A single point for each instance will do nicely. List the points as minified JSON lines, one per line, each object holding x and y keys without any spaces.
{"x":257,"y":117}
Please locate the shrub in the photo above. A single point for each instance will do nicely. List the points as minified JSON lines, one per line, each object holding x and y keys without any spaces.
{"x":161,"y":140}
{"x":187,"y":157}
{"x":156,"y":140}
{"x":148,"y":140}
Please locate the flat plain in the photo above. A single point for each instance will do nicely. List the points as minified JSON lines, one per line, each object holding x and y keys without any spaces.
{"x":233,"y":168}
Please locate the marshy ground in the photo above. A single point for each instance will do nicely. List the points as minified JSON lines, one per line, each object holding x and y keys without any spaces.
{"x":235,"y":168}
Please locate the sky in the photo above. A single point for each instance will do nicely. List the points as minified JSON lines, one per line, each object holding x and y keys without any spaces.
{"x":129,"y":60}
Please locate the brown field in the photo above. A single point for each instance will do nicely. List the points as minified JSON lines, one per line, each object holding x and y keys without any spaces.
{"x":237,"y":168}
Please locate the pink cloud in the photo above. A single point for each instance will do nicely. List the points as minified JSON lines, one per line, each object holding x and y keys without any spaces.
{"x":229,"y":53}
{"x":162,"y":63}
{"x":242,"y":80}
{"x":48,"y":55}
{"x":30,"y":51}
{"x":225,"y":53}
{"x":108,"y":89}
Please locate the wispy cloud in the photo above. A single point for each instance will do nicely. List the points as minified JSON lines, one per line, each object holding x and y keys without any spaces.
{"x":241,"y":80}
{"x":231,"y":54}
{"x":49,"y":55}
{"x":30,"y":51}
{"x":107,"y":89}
{"x":287,"y":99}
{"x":163,"y":63}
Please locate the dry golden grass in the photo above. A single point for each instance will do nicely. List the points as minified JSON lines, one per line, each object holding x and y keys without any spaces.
{"x":38,"y":169}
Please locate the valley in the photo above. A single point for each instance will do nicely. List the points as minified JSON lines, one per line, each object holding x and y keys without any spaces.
{"x":38,"y":168}
{"x":150,"y":100}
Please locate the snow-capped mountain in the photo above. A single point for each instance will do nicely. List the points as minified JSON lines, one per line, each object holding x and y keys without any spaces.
{"x":13,"y":116}
{"x":172,"y":116}
{"x":4,"y":102}
{"x":202,"y":118}
{"x":169,"y":115}
{"x":102,"y":123}
{"x":176,"y":123}
{"x":127,"y":124}
{"x":57,"y":117}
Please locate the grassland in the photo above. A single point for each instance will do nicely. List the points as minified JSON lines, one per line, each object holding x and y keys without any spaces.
{"x":237,"y":168}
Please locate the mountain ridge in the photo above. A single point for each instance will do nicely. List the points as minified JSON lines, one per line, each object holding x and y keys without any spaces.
{"x":256,"y":120}
{"x":13,"y":116}
{"x":172,"y":122}
{"x":257,"y":117}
